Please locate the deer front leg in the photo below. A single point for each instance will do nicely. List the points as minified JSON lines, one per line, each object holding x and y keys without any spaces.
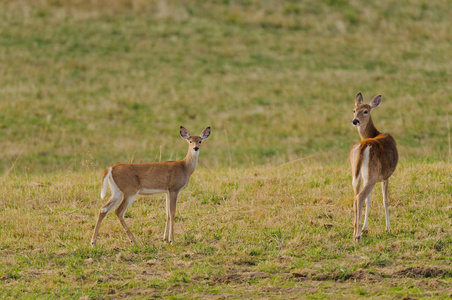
{"x":166,"y":233}
{"x":172,"y":213}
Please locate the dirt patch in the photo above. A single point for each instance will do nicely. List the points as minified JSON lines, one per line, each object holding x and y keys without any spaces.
{"x":362,"y":275}
{"x":359,"y":275}
{"x":242,"y":277}
{"x":299,"y":275}
{"x":422,"y":272}
{"x":244,"y":262}
{"x":406,"y":297}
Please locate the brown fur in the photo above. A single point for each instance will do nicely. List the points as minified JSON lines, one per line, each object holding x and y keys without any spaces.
{"x":171,"y":175}
{"x":383,"y":155}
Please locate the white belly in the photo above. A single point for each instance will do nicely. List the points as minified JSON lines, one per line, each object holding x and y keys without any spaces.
{"x":151,"y":191}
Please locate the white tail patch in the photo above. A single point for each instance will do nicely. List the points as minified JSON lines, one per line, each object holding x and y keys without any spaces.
{"x":365,"y":164}
{"x":104,"y":184}
{"x":116,"y":192}
{"x":354,"y":162}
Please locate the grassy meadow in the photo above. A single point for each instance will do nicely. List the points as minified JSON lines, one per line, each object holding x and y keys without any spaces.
{"x":268,"y":213}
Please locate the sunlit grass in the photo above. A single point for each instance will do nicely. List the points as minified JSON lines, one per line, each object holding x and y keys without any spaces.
{"x":268,"y":213}
{"x":234,"y":227}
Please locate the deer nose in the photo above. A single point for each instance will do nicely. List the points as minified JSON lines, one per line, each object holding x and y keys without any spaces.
{"x":196,"y":148}
{"x":355,"y":122}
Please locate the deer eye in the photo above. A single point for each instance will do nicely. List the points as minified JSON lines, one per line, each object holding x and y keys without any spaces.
{"x":190,"y":142}
{"x":353,"y":111}
{"x":365,"y":112}
{"x":200,"y":142}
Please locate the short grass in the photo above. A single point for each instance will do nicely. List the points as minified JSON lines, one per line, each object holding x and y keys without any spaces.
{"x":268,"y":214}
{"x":281,"y":232}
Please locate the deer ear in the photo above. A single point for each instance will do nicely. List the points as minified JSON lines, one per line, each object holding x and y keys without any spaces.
{"x":205,"y":133}
{"x":375,"y":101}
{"x":358,"y":99}
{"x":184,"y":133}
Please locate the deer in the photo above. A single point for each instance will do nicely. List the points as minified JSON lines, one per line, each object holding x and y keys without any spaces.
{"x":127,"y":181}
{"x":374,"y":159}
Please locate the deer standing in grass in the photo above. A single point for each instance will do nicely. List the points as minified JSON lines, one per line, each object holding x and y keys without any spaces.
{"x":130,"y":180}
{"x":373,"y":160}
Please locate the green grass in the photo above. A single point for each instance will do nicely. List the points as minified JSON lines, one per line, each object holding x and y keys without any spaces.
{"x":83,"y":84}
{"x":268,"y":213}
{"x":272,"y":235}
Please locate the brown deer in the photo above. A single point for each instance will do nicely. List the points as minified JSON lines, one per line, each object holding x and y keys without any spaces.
{"x":130,"y":180}
{"x":373,"y":160}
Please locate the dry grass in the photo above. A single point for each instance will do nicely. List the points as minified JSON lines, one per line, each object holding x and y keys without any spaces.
{"x":260,"y":232}
{"x":268,"y":214}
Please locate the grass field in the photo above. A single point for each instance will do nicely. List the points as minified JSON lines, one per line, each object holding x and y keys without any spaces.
{"x":268,"y":213}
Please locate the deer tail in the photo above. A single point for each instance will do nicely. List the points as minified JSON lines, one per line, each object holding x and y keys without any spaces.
{"x":105,"y":178}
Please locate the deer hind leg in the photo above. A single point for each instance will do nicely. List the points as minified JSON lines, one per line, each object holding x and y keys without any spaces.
{"x":115,"y":199}
{"x":359,"y":202}
{"x":366,"y":214}
{"x":356,"y":182}
{"x":125,"y":203}
{"x":384,"y":189}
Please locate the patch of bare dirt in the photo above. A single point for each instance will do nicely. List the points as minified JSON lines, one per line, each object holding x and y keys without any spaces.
{"x":300,"y":275}
{"x":406,"y":297}
{"x":241,"y":277}
{"x":6,"y":276}
{"x":359,"y":275}
{"x":421,"y":272}
{"x":244,"y":262}
{"x":362,"y":275}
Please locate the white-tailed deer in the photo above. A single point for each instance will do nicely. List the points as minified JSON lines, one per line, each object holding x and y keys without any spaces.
{"x":130,"y":180}
{"x":373,"y":160}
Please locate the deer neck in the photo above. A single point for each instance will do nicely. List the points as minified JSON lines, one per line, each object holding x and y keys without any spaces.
{"x":190,"y":161}
{"x":368,"y":131}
